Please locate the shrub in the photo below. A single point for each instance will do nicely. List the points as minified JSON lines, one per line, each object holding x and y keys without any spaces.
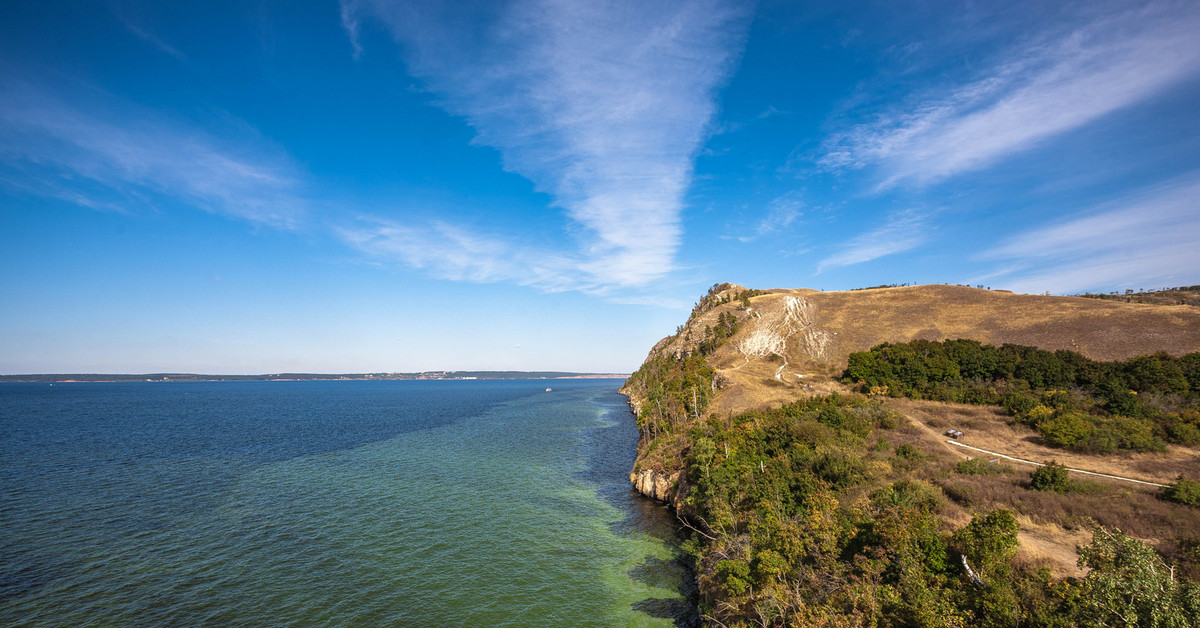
{"x":1183,"y":491}
{"x":1119,"y":432}
{"x":1183,"y":433}
{"x":734,"y":575}
{"x":907,"y":457}
{"x":1058,"y":399}
{"x":1018,"y":404}
{"x":840,"y":471}
{"x":1038,"y":415}
{"x":1067,"y":429}
{"x":1051,"y":477}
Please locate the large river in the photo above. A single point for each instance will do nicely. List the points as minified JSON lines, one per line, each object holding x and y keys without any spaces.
{"x":345,"y":503}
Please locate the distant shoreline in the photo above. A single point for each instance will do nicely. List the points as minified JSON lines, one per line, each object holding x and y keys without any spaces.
{"x":66,"y":378}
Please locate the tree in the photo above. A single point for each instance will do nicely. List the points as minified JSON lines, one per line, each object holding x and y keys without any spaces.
{"x":989,"y":541}
{"x":1130,"y":585}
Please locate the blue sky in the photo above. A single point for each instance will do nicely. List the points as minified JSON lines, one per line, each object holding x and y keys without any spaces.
{"x":255,"y":187}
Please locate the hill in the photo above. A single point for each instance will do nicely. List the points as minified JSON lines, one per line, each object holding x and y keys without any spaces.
{"x":790,"y":342}
{"x":786,"y":471}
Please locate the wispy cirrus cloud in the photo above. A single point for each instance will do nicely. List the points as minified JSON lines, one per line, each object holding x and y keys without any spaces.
{"x":152,"y":39}
{"x":781,"y":213}
{"x":1052,"y":86}
{"x":454,"y":252}
{"x":95,"y":157}
{"x":903,"y":231}
{"x":1142,"y":240}
{"x":603,"y":105}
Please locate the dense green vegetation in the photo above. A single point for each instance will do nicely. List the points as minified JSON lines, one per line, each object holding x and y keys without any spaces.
{"x":806,"y":515}
{"x":672,"y":389}
{"x":1073,"y":402}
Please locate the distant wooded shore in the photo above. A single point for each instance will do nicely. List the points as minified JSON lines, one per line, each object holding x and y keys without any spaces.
{"x":195,"y":377}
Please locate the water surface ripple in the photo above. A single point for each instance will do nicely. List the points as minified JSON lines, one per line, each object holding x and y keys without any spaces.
{"x":400,"y":503}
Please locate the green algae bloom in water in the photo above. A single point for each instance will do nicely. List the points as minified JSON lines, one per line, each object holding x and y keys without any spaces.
{"x":477,"y":503}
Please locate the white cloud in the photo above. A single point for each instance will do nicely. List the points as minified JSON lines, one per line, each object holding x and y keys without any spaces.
{"x":136,"y":159}
{"x":603,"y":105}
{"x":1039,"y":92}
{"x":452,"y":252}
{"x":903,"y":231}
{"x":1147,"y":240}
{"x":781,"y":213}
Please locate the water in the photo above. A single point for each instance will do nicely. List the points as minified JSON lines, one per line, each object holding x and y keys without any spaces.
{"x":402,"y":503}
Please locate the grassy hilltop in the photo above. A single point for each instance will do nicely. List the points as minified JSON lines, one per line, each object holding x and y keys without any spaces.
{"x":803,"y":436}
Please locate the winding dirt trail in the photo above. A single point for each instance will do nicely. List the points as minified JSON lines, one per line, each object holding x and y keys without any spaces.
{"x":1023,"y":461}
{"x":953,"y":444}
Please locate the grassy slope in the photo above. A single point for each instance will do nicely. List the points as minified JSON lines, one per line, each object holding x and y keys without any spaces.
{"x":833,"y":325}
{"x":858,"y":320}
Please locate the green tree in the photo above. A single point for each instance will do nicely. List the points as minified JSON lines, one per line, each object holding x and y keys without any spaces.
{"x":989,"y":541}
{"x":1130,"y":585}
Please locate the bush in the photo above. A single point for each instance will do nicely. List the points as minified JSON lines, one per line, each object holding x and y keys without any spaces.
{"x":1067,"y":429}
{"x":1018,"y":404}
{"x":734,"y":575}
{"x":1183,"y":491}
{"x":839,"y":470}
{"x":1051,"y":477}
{"x":1119,"y":432}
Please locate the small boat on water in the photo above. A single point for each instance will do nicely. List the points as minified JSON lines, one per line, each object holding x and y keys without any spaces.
{"x":549,"y":390}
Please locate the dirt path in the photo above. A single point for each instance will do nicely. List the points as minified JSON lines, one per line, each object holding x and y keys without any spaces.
{"x":1103,"y":475}
{"x":991,"y":434}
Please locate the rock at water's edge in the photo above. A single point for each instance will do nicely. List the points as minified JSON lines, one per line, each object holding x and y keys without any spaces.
{"x":664,"y":487}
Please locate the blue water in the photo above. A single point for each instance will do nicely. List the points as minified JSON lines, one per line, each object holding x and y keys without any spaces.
{"x":392,"y":503}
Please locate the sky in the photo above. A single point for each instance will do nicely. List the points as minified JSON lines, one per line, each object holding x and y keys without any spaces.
{"x":373,"y":186}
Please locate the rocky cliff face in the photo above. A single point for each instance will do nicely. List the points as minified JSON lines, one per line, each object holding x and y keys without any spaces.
{"x":669,"y":488}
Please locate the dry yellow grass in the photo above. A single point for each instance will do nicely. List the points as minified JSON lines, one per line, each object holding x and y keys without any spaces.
{"x":817,"y":344}
{"x":1050,"y":545}
{"x":987,"y":428}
